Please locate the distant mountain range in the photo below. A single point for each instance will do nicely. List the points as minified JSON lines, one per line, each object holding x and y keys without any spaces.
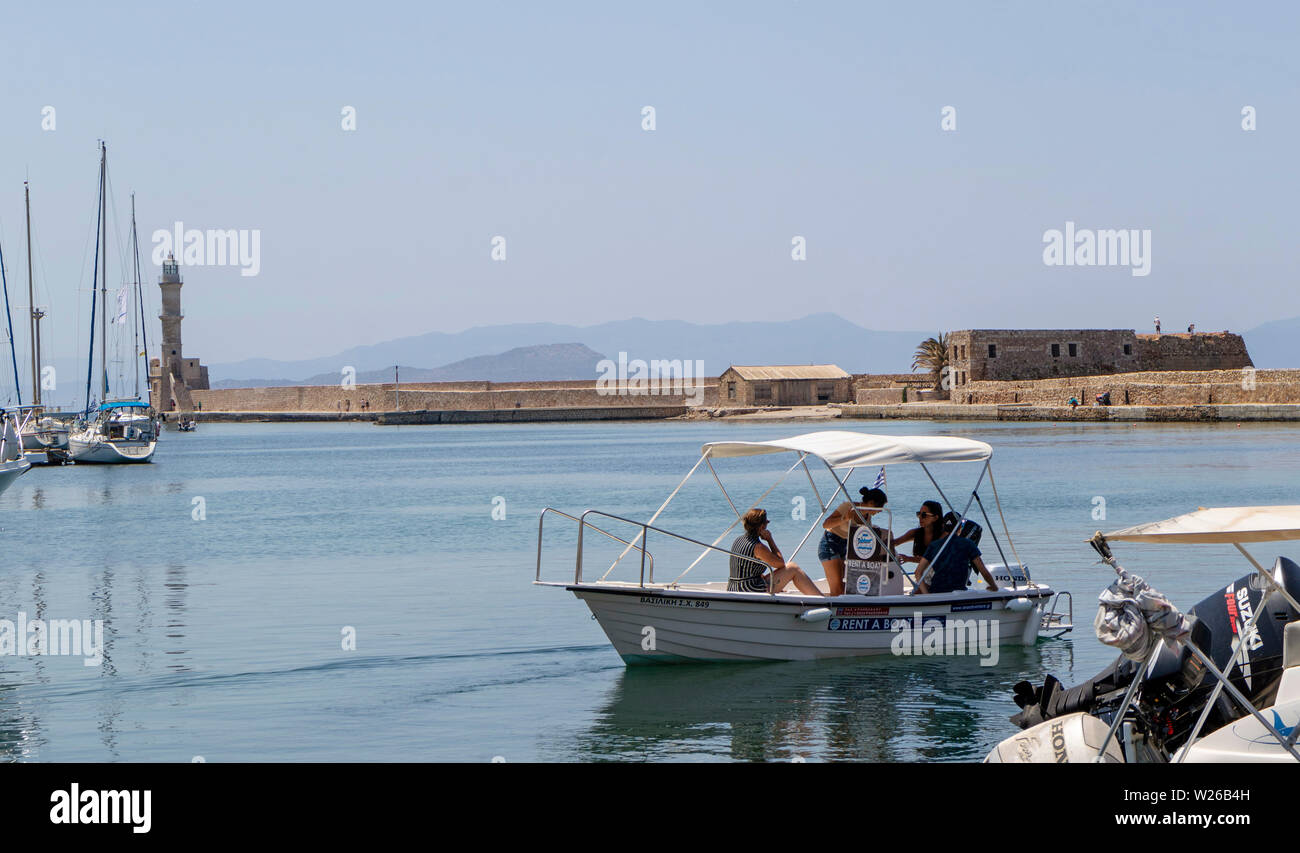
{"x":540,"y":351}
{"x":521,"y":364}
{"x":524,"y":353}
{"x":1275,"y":344}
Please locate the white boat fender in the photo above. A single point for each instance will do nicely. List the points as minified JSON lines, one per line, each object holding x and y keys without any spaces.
{"x":817,"y":614}
{"x":1019,"y":605}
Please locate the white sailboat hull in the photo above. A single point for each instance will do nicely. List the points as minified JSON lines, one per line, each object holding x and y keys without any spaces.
{"x":11,"y":471}
{"x":656,"y":625}
{"x":101,"y":452}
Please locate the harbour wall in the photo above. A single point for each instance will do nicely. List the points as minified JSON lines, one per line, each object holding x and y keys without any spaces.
{"x":440,"y":396}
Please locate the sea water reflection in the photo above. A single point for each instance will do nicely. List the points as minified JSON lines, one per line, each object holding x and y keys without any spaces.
{"x":883,"y":709}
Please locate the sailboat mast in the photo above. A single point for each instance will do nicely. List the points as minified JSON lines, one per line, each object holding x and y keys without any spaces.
{"x":103,"y":283}
{"x":135,"y":323}
{"x":37,"y":313}
{"x":13,"y":352}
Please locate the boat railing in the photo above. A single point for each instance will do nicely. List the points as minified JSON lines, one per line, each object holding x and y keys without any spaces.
{"x":581,"y":524}
{"x":645,"y":529}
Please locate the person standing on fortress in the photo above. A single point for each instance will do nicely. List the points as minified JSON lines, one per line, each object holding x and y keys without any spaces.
{"x":1157,"y":324}
{"x":1191,"y":328}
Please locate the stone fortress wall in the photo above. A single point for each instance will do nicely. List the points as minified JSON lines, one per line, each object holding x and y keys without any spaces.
{"x":1150,"y":388}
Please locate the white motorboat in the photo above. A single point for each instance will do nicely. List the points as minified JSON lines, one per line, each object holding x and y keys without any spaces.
{"x":1153,"y":703}
{"x":658,"y":621}
{"x":13,"y":464}
{"x":121,"y":431}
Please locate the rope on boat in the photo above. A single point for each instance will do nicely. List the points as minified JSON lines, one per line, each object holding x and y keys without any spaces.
{"x":993,"y":484}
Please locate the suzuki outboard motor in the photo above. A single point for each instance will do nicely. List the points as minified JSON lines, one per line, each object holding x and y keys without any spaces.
{"x":1178,"y":686}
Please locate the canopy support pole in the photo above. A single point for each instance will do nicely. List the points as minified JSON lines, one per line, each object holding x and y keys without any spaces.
{"x":803,"y":458}
{"x":889,"y":549}
{"x":662,"y":507}
{"x":724,"y":491}
{"x":1274,"y":586}
{"x":961,"y":518}
{"x":1014,"y":583}
{"x":724,"y":533}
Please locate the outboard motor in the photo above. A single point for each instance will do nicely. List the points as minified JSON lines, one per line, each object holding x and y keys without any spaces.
{"x":1177,"y":687}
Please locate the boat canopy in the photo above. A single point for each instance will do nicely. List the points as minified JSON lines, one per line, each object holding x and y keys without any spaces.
{"x":123,"y":404}
{"x":843,"y":449}
{"x":1225,"y":525}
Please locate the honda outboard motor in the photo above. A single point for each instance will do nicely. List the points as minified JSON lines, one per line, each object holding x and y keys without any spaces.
{"x":1177,"y":687}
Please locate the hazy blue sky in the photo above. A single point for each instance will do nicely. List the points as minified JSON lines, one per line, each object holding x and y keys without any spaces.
{"x":774,"y":119}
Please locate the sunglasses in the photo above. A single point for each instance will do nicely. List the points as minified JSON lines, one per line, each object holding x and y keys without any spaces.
{"x":926,"y":515}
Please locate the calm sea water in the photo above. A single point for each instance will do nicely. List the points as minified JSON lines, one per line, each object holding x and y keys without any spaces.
{"x":229,"y":573}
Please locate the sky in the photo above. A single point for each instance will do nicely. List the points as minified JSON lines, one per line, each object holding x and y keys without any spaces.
{"x":772,"y":120}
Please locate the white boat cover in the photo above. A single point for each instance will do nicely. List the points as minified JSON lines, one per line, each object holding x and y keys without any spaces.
{"x":1226,"y":524}
{"x":843,"y":449}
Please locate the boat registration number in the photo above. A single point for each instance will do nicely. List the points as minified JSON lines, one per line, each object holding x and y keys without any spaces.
{"x":673,"y":602}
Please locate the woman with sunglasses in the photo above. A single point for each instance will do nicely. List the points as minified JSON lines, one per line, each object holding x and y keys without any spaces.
{"x":754,"y":552}
{"x":929,"y":516}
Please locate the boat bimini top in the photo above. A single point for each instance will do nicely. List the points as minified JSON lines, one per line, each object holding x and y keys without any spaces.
{"x":840,"y":451}
{"x":1219,"y":525}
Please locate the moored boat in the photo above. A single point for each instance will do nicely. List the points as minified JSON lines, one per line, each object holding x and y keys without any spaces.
{"x":118,"y":431}
{"x":121,"y":431}
{"x":13,"y":463}
{"x":1229,"y":667}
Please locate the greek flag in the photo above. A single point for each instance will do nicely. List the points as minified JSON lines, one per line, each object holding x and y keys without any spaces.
{"x":880,"y":478}
{"x":120,"y":320}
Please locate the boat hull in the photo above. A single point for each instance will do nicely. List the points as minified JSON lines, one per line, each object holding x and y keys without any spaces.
{"x":85,"y":452}
{"x":650,"y":626}
{"x":11,"y":471}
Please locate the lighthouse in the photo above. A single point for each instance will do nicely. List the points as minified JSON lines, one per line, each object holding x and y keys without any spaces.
{"x":173,"y":376}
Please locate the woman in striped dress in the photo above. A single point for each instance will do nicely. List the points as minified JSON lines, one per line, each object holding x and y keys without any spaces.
{"x":754,"y":552}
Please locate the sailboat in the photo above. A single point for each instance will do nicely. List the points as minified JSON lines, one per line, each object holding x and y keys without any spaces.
{"x":13,"y":464}
{"x":117,"y":431}
{"x":44,"y":433}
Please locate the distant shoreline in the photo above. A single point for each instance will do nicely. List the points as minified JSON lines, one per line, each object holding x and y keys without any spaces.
{"x":1224,"y":413}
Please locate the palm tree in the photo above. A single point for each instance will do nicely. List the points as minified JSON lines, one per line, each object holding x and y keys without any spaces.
{"x":932,"y":355}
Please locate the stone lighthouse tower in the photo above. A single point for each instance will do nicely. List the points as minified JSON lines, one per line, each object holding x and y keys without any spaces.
{"x":172,"y":377}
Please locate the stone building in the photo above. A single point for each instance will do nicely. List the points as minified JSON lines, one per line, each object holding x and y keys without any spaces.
{"x":979,"y":355}
{"x":172,"y":377}
{"x":784,"y":385}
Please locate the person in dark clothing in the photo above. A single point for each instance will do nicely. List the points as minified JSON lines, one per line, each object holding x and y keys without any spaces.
{"x":951,"y":558}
